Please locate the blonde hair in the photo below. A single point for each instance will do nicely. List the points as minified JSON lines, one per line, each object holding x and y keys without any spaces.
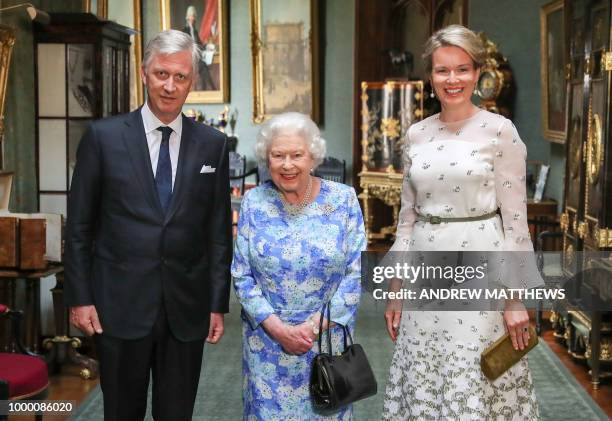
{"x":455,"y":36}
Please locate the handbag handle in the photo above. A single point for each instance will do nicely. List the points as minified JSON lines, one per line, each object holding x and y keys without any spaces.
{"x":327,"y":309}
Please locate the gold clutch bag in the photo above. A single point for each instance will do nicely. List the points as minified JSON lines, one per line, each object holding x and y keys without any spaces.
{"x":501,"y":355}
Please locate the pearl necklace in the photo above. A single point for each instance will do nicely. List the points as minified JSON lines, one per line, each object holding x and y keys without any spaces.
{"x":305,"y":200}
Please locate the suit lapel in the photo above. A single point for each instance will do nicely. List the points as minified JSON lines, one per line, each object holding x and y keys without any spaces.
{"x":182,"y":172}
{"x":136,"y":144}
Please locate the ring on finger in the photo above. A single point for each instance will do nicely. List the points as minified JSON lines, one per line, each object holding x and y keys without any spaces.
{"x":525,"y":329}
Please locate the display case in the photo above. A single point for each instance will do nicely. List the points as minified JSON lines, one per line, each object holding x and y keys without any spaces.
{"x":82,"y":74}
{"x":388,"y":109}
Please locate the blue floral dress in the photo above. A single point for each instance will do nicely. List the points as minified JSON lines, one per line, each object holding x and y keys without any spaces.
{"x":289,"y":262}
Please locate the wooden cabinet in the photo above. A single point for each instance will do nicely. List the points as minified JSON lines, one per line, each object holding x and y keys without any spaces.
{"x":82,"y":74}
{"x":587,"y":216}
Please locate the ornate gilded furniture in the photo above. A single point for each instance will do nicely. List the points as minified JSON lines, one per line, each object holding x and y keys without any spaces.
{"x":388,"y":110}
{"x":495,"y":86}
{"x":587,"y":219}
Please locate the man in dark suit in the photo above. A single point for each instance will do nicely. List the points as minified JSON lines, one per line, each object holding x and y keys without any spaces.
{"x":148,"y":242}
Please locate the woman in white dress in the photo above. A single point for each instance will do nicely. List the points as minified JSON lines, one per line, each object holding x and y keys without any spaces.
{"x":464,"y":162}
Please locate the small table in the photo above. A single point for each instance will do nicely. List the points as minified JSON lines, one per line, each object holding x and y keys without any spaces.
{"x":384,"y":186}
{"x":32,"y":296}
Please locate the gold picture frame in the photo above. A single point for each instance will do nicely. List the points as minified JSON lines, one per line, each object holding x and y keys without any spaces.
{"x":6,"y":182}
{"x":212,"y":85}
{"x":552,"y":72}
{"x":285,"y":73}
{"x":7,"y":41}
{"x":97,"y":7}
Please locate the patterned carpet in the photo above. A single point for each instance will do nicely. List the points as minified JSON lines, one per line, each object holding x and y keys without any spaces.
{"x":560,"y":397}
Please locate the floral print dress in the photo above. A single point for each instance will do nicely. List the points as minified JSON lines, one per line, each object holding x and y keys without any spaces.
{"x":465,"y":168}
{"x":289,"y":261}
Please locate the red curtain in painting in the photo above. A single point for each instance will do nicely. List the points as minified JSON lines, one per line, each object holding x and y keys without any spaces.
{"x":209,"y":19}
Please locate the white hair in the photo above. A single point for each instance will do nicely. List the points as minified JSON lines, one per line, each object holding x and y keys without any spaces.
{"x":191,"y":11}
{"x":290,"y":123}
{"x":172,"y":41}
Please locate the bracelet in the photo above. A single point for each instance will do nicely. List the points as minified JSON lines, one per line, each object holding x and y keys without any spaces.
{"x":315,"y":327}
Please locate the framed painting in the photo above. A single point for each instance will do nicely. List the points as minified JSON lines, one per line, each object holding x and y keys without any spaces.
{"x":206,"y":22}
{"x":552,"y":62}
{"x":285,"y":50}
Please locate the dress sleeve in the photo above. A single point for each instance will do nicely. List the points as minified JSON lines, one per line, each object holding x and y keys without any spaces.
{"x":254,"y":303}
{"x":345,"y":300}
{"x":511,"y":195}
{"x":510,"y":187}
{"x":407,"y":213}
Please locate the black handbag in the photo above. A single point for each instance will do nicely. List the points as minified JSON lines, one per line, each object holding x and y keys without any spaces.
{"x":338,"y":380}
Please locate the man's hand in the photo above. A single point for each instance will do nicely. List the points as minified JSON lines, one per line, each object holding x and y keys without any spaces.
{"x":216,"y":329}
{"x":85,"y":318}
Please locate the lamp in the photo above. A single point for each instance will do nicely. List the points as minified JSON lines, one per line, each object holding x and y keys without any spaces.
{"x":35,"y":14}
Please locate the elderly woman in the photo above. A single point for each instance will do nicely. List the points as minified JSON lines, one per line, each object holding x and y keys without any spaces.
{"x":298,"y":248}
{"x":461,"y":166}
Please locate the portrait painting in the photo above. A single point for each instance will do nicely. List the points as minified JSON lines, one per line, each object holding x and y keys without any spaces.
{"x":206,"y":22}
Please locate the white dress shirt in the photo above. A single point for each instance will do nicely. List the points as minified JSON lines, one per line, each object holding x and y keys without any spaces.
{"x":154,"y":137}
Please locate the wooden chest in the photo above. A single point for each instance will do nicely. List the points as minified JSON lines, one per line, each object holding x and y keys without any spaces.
{"x":30,"y":241}
{"x":9,"y":239}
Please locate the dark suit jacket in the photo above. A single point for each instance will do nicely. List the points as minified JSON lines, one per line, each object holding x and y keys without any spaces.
{"x":124,"y":255}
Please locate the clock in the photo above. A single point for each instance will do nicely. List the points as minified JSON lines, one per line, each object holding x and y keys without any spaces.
{"x":495,"y":86}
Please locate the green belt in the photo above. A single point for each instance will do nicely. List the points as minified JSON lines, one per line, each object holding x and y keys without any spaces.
{"x":438,"y":219}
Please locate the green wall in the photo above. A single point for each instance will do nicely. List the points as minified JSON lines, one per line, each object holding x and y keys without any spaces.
{"x":514,"y":25}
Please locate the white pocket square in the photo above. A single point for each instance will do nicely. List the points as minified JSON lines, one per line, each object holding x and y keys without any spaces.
{"x":207,"y":169}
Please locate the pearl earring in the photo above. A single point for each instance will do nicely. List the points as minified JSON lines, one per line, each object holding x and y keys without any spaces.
{"x":432,"y":94}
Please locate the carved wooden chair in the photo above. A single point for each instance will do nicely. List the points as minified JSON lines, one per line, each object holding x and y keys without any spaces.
{"x":332,"y":169}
